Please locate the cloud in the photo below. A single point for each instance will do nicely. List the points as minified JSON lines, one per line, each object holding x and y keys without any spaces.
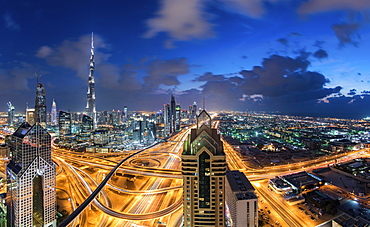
{"x":352,"y":92}
{"x":11,"y":23}
{"x":283,"y":41}
{"x":316,"y":6}
{"x":250,"y":8}
{"x":320,"y":54}
{"x":120,"y":78}
{"x":279,"y":83}
{"x":182,"y":20}
{"x":74,"y":54}
{"x":16,"y":75}
{"x":44,"y":51}
{"x":209,"y":77}
{"x":345,"y":32}
{"x":166,"y":72}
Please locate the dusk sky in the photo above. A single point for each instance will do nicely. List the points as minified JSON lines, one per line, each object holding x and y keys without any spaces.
{"x":309,"y":56}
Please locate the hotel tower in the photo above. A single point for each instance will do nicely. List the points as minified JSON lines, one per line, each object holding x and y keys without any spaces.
{"x":203,"y":169}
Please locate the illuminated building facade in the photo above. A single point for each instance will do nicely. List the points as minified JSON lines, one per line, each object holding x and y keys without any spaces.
{"x":31,"y":198}
{"x":53,"y":114}
{"x":203,"y":169}
{"x":11,"y":109}
{"x":177,"y":117}
{"x":90,"y":106}
{"x":65,"y":123}
{"x":241,"y":200}
{"x":40,"y":105}
{"x":30,"y":116}
{"x":172,"y":114}
{"x":167,"y":119}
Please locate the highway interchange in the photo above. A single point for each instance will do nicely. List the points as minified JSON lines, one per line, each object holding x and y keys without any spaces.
{"x":151,"y":195}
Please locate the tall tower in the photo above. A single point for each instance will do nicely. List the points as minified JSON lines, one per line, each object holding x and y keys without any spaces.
{"x":11,"y":109}
{"x":172,"y":114}
{"x":203,"y":170}
{"x":90,"y":106}
{"x":40,"y":104}
{"x":167,"y":119}
{"x":53,"y":113}
{"x":31,"y":198}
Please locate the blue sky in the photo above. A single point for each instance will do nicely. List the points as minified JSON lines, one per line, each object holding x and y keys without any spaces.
{"x":308,"y":56}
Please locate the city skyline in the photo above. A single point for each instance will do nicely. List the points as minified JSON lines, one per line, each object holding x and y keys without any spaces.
{"x":292,"y":57}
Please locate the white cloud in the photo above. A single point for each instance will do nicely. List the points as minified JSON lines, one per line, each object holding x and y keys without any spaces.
{"x":44,"y":51}
{"x":182,"y":20}
{"x":74,"y":54}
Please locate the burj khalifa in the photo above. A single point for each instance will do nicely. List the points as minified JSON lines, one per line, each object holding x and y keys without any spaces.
{"x":90,"y":106}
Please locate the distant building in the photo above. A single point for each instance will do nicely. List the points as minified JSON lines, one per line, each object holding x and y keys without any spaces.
{"x":65,"y":123}
{"x":166,"y":119}
{"x":241,"y":200}
{"x":101,"y":137}
{"x":177,"y":117}
{"x":203,"y":169}
{"x":87,"y":124}
{"x":30,"y":116}
{"x":40,"y":105}
{"x":172,"y":115}
{"x":11,"y":109}
{"x":31,"y":198}
{"x":125,"y":114}
{"x":53,"y":114}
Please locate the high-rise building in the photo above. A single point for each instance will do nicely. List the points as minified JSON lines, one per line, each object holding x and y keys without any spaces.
{"x":40,"y":105}
{"x":30,"y":116}
{"x":87,"y":124}
{"x":167,"y":119}
{"x":65,"y":123}
{"x":203,"y":169}
{"x":172,"y":114}
{"x":194,"y":110}
{"x":11,"y":109}
{"x":31,"y":197}
{"x":90,"y":106}
{"x":241,"y":200}
{"x":125,"y":116}
{"x":53,"y":114}
{"x":177,"y":117}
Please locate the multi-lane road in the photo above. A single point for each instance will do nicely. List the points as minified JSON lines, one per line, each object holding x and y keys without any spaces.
{"x":150,"y":194}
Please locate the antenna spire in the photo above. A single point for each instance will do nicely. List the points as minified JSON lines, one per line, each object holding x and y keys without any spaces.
{"x":92,"y":40}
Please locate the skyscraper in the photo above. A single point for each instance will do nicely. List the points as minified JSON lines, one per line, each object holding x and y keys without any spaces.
{"x":40,"y":104}
{"x":65,"y":123}
{"x":172,"y":114}
{"x":53,"y":117}
{"x":31,"y":198}
{"x":167,"y":119}
{"x":203,"y":169}
{"x":177,"y":117}
{"x":30,"y":115}
{"x":125,"y":116}
{"x":11,"y":109}
{"x":90,"y":106}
